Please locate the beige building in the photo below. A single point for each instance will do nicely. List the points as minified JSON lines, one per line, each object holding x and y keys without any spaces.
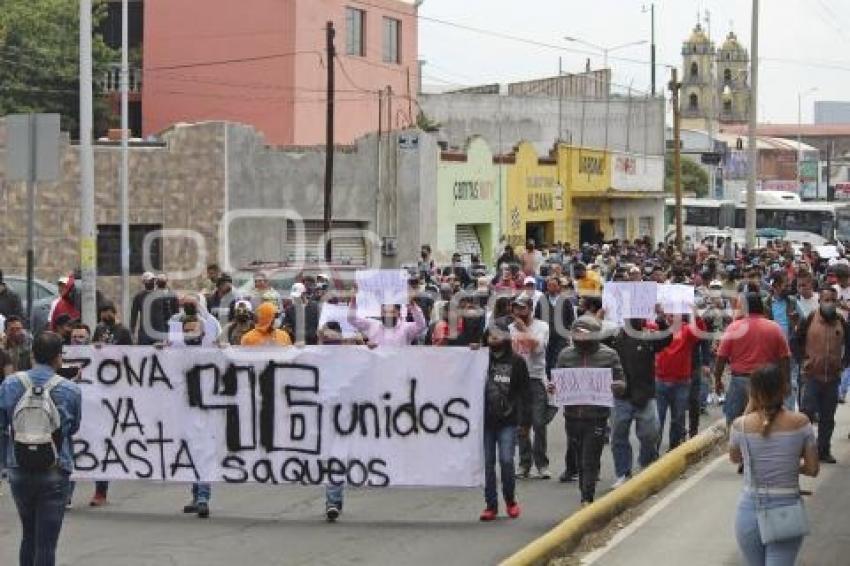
{"x":715,"y":82}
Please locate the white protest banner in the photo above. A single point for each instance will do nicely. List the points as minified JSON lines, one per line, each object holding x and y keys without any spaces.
{"x":376,"y":287}
{"x":828,"y":252}
{"x":627,"y":299}
{"x":339,"y":314}
{"x":316,"y":415}
{"x":583,"y":386}
{"x":676,"y":299}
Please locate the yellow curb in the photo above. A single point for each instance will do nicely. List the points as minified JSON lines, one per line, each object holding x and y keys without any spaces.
{"x":653,"y":479}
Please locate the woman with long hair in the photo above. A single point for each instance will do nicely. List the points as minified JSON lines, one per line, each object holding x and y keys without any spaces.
{"x":775,"y":446}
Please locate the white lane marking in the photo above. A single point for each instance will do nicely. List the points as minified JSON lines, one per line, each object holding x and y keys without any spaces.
{"x":624,"y":533}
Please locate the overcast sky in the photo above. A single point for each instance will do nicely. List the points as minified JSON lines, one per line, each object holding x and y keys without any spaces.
{"x":803,"y":43}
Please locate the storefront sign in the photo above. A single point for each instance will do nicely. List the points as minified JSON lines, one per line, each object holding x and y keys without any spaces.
{"x":590,"y":165}
{"x":540,"y":182}
{"x":473,"y":190}
{"x":540,"y":202}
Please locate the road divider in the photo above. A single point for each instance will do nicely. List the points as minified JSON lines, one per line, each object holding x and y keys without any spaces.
{"x":566,"y":536}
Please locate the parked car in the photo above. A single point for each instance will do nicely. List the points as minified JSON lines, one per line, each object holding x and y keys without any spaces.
{"x":41,"y":289}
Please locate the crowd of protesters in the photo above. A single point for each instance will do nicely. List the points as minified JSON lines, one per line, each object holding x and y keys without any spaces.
{"x":535,"y":310}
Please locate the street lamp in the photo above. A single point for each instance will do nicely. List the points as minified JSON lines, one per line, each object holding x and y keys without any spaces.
{"x":603,"y":49}
{"x":800,"y":96}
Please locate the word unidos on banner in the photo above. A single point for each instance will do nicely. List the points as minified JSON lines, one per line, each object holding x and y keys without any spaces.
{"x":196,"y":415}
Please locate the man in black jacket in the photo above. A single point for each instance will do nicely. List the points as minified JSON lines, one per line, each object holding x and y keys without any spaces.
{"x":507,"y":404}
{"x":637,"y":345}
{"x":10,"y":302}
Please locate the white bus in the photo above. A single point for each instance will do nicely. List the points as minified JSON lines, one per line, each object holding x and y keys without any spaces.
{"x":801,"y":222}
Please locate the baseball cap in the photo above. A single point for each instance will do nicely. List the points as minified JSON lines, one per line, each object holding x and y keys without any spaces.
{"x":522,"y":300}
{"x":64,"y":280}
{"x":586,"y":325}
{"x":297,"y":290}
{"x":243,"y":304}
{"x":715,"y":284}
{"x":146,"y":276}
{"x":529,"y":281}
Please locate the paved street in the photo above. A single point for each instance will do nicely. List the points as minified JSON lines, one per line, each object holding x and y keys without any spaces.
{"x":258,"y":525}
{"x":703,"y":517}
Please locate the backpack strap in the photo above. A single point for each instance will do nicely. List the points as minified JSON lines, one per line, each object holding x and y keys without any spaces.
{"x":53,"y":382}
{"x":24,"y":379}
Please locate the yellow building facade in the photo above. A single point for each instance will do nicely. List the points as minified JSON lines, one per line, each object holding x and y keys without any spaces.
{"x":534,"y":201}
{"x":587,"y":174}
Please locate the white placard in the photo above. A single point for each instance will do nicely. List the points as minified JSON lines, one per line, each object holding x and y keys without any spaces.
{"x":313,"y":415}
{"x":583,"y":386}
{"x":337,"y":313}
{"x":828,"y":252}
{"x":376,"y":287}
{"x":676,"y":299}
{"x":627,"y":299}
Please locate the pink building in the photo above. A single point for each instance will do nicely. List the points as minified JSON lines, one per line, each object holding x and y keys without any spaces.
{"x":263,"y":63}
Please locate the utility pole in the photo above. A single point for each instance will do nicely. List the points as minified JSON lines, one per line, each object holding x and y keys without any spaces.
{"x":652,"y":48}
{"x":677,"y":152}
{"x":329,"y":140}
{"x":753,"y":150}
{"x":88,"y":245}
{"x":31,"y":178}
{"x":560,"y":98}
{"x":125,"y":169}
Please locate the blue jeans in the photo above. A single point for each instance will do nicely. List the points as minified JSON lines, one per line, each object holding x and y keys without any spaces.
{"x":819,"y":403}
{"x":40,"y":499}
{"x":333,"y":495}
{"x":201,"y":493}
{"x":532,"y":449}
{"x":790,"y":402}
{"x":845,"y":383}
{"x":675,"y":396}
{"x":647,"y":429}
{"x":737,"y":397}
{"x":505,"y":438}
{"x":749,"y":539}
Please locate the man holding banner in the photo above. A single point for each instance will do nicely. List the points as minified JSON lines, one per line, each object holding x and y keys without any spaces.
{"x":588,"y":375}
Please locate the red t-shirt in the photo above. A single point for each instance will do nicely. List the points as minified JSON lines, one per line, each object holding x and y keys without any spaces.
{"x":751,"y":343}
{"x":673,"y":364}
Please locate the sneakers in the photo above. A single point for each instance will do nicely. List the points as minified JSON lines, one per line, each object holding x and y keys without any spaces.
{"x":69,"y":505}
{"x":567,"y":477}
{"x":489,"y":514}
{"x":203,"y":510}
{"x":99,"y":500}
{"x":544,"y":473}
{"x":620,"y":481}
{"x":332,"y":513}
{"x":513,"y":509}
{"x":191,"y":508}
{"x":524,"y":472}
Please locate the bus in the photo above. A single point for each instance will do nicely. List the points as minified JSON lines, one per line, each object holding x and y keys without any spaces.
{"x":801,"y":222}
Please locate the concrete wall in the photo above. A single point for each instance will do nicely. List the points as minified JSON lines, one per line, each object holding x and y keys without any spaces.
{"x":179,"y":185}
{"x":633,"y":125}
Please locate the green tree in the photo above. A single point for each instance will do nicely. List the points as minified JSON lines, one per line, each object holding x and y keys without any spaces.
{"x":694,"y":177}
{"x":39,"y":60}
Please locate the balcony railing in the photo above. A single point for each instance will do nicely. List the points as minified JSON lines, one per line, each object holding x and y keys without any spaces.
{"x":112,"y":80}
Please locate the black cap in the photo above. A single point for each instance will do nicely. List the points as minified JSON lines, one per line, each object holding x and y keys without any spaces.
{"x":63,"y":319}
{"x":224,"y":278}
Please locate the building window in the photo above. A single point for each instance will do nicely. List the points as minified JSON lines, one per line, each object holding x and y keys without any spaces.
{"x":727,"y":76}
{"x":109,"y":248}
{"x":392,"y":40}
{"x":727,"y":106}
{"x":693,"y":102}
{"x":355,"y":25}
{"x":694,"y":70}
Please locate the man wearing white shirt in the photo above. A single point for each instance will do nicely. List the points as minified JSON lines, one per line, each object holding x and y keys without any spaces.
{"x":807,"y":299}
{"x":529,"y":338}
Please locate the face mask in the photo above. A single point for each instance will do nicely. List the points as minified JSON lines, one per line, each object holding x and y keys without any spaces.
{"x":193,"y":340}
{"x":585,"y":345}
{"x":161,"y":284}
{"x":828,"y":311}
{"x":241,"y":316}
{"x":109,"y":320}
{"x":390,"y":321}
{"x":149,"y":285}
{"x":190,"y":309}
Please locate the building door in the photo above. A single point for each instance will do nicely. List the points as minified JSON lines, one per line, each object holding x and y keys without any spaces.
{"x":589,"y":232}
{"x":540,"y":232}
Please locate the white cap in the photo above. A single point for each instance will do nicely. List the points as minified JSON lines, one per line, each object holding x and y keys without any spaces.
{"x":528,"y":280}
{"x":63,"y":280}
{"x":146,"y":276}
{"x":243,"y":304}
{"x":715,"y":283}
{"x":297,"y":290}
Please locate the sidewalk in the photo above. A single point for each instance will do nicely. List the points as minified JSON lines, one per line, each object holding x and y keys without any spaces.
{"x":694,"y":521}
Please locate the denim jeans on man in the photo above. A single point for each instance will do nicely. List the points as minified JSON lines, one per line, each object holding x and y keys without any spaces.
{"x":40,"y":498}
{"x":647,"y":430}
{"x":737,"y":397}
{"x":534,"y":450}
{"x":201,"y":493}
{"x":820,"y":399}
{"x":845,"y":383}
{"x":675,"y":397}
{"x":334,"y":496}
{"x":502,"y":438}
{"x":749,"y":538}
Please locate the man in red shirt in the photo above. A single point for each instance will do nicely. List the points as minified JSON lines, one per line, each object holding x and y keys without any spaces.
{"x":748,"y":344}
{"x":673,"y":369}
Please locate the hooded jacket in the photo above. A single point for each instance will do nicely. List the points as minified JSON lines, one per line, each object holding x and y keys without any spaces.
{"x":637,"y":352}
{"x":264,"y":332}
{"x":507,"y":392}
